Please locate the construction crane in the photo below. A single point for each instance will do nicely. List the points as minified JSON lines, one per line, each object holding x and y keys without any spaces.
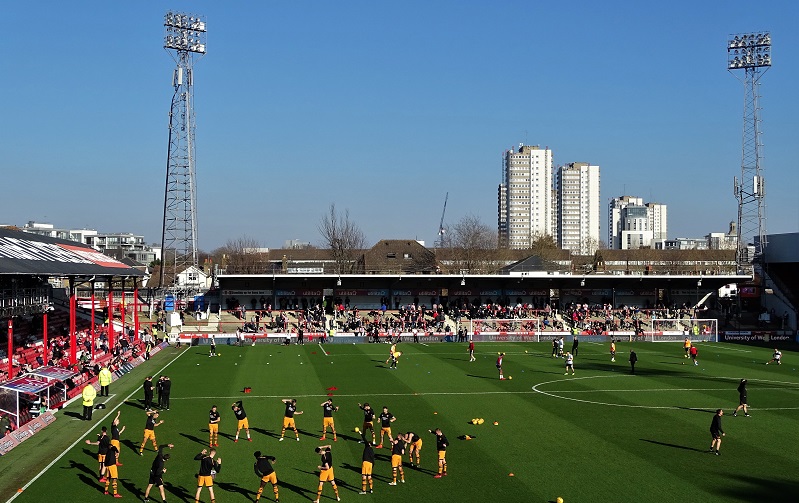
{"x":441,"y":229}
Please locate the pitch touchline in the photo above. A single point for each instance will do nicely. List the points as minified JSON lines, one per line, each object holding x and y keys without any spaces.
{"x":80,"y":439}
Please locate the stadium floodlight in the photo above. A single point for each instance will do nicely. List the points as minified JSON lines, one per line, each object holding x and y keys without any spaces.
{"x":185,"y":35}
{"x":184,"y":32}
{"x":748,"y":58}
{"x":751,"y":50}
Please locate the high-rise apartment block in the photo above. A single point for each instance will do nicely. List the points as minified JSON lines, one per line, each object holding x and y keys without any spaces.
{"x":577,"y":207}
{"x":633,"y":224}
{"x":524,"y":198}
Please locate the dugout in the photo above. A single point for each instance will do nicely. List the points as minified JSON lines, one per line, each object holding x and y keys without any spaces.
{"x":60,"y":381}
{"x":21,"y":398}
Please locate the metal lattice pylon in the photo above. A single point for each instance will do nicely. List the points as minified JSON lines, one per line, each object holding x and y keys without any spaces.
{"x":185,"y":34}
{"x":751,"y":53}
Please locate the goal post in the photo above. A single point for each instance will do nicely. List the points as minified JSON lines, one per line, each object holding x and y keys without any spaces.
{"x":676,"y":330}
{"x":528,"y":327}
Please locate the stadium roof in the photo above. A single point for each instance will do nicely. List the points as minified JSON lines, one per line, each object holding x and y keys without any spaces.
{"x":25,"y":253}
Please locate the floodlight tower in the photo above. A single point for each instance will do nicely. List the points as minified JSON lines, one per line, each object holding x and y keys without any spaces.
{"x":184,"y":34}
{"x":751,"y":53}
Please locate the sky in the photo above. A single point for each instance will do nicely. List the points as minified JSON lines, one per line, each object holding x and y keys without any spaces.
{"x":383,"y":108}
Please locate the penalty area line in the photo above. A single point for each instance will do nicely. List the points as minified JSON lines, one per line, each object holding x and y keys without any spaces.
{"x":323,"y":350}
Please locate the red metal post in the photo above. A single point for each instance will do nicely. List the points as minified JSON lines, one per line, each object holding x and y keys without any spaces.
{"x":123,"y":310}
{"x":93,"y":330}
{"x":46,"y":357}
{"x":136,"y":309}
{"x":110,"y":316}
{"x":10,"y":348}
{"x":73,"y":337}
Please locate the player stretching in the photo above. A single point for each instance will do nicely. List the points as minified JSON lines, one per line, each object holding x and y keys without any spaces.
{"x":777,"y":357}
{"x":288,"y":417}
{"x":391,"y":350}
{"x":499,"y":366}
{"x":415,"y":443}
{"x":471,"y":351}
{"x":612,"y":350}
{"x":157,"y":471}
{"x":213,"y":427}
{"x":368,"y":461}
{"x":386,"y":418}
{"x":397,"y":451}
{"x":112,"y":477}
{"x":115,"y":433}
{"x":742,"y":399}
{"x":102,"y":443}
{"x":325,"y":471}
{"x":687,"y":346}
{"x":149,"y":431}
{"x":368,"y":419}
{"x":569,"y":363}
{"x":208,"y":470}
{"x":263,"y":469}
{"x":328,"y":409}
{"x":441,"y":447}
{"x":243,"y":422}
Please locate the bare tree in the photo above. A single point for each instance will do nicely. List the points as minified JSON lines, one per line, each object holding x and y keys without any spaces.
{"x":343,"y":237}
{"x":473,"y":245}
{"x":242,"y":255}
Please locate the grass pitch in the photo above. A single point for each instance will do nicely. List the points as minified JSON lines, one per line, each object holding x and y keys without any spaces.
{"x":602,"y":435}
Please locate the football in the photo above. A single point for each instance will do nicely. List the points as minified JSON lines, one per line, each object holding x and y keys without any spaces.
{"x":559,"y":500}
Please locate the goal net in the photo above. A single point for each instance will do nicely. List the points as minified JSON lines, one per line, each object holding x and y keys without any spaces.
{"x":672,"y":330}
{"x":526,"y":326}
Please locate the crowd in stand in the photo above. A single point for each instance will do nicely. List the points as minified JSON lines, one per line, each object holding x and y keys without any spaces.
{"x":315,"y":317}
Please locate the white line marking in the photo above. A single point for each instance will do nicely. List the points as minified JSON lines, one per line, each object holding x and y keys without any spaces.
{"x":323,"y":349}
{"x":732,"y":349}
{"x":555,"y":395}
{"x":80,"y":440}
{"x":423,"y":344}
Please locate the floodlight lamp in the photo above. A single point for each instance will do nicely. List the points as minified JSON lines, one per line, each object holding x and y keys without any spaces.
{"x":699,"y":283}
{"x":582,"y":282}
{"x":338,"y":281}
{"x":463,"y":281}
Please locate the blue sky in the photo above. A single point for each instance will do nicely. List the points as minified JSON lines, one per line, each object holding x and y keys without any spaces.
{"x":383,"y":108}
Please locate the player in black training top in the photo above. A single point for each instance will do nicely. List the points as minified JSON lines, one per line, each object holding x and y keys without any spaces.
{"x":288,"y":417}
{"x":742,"y":402}
{"x":368,"y":419}
{"x":441,"y":446}
{"x":157,"y":472}
{"x":103,"y":443}
{"x":208,"y":470}
{"x":367,"y":464}
{"x":213,"y":427}
{"x":716,"y":432}
{"x":325,"y":471}
{"x":263,"y":469}
{"x":397,"y":451}
{"x":328,"y":408}
{"x":241,"y":416}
